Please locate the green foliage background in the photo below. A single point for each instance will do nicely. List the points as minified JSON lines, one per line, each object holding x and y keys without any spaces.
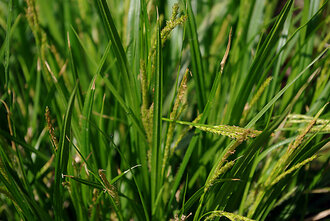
{"x":153,"y":110}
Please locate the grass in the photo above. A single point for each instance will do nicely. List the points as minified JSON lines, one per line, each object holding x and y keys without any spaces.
{"x":164,"y":110}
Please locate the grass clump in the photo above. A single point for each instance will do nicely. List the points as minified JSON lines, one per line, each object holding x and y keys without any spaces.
{"x":162,"y":110}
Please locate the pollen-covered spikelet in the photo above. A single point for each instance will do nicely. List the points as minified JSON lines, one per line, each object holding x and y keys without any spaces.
{"x":284,"y":161}
{"x":296,"y":167}
{"x":166,"y":31}
{"x":39,"y":34}
{"x":233,"y":132}
{"x":172,"y":23}
{"x":218,"y":171}
{"x":182,"y":92}
{"x":146,"y":111}
{"x":255,"y":98}
{"x":222,"y":167}
{"x":296,"y":143}
{"x":280,"y":170}
{"x":144,"y":85}
{"x":51,"y":129}
{"x":230,"y":216}
{"x":31,"y":15}
{"x":229,"y":131}
{"x":321,"y":125}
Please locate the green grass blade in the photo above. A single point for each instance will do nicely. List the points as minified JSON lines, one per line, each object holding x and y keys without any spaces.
{"x":259,"y":62}
{"x":157,"y":124}
{"x":206,"y":112}
{"x":92,"y":60}
{"x":129,"y":82}
{"x":61,"y":159}
{"x":87,"y":182}
{"x":26,"y":146}
{"x":7,"y":41}
{"x":86,"y":118}
{"x":13,"y":188}
{"x":280,"y":93}
{"x":133,"y":36}
{"x":127,"y":109}
{"x":16,"y":187}
{"x":74,"y":72}
{"x":197,"y":63}
{"x":110,"y":85}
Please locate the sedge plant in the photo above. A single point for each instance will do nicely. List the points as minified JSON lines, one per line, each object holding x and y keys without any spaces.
{"x":164,"y":110}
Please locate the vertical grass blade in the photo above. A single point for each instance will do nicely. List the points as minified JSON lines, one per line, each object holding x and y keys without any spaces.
{"x":61,"y":159}
{"x":129,"y":80}
{"x":206,"y":112}
{"x":258,"y":64}
{"x":133,"y":36}
{"x":7,"y":179}
{"x":74,"y":72}
{"x":7,"y":41}
{"x":157,"y":123}
{"x":197,"y":63}
{"x":86,"y":118}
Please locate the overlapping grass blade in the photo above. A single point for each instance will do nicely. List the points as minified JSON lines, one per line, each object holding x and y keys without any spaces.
{"x":61,"y":159}
{"x":24,"y":145}
{"x":156,"y":151}
{"x":197,"y":63}
{"x":74,"y":72}
{"x":86,"y":118}
{"x":129,"y":80}
{"x":256,"y":68}
{"x":206,"y":111}
{"x":7,"y":42}
{"x":8,"y":176}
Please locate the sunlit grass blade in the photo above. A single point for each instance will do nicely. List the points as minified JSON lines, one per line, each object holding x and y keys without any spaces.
{"x":128,"y":79}
{"x":259,"y":62}
{"x":205,"y":113}
{"x":74,"y":72}
{"x":134,"y":36}
{"x":197,"y":63}
{"x":281,"y":92}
